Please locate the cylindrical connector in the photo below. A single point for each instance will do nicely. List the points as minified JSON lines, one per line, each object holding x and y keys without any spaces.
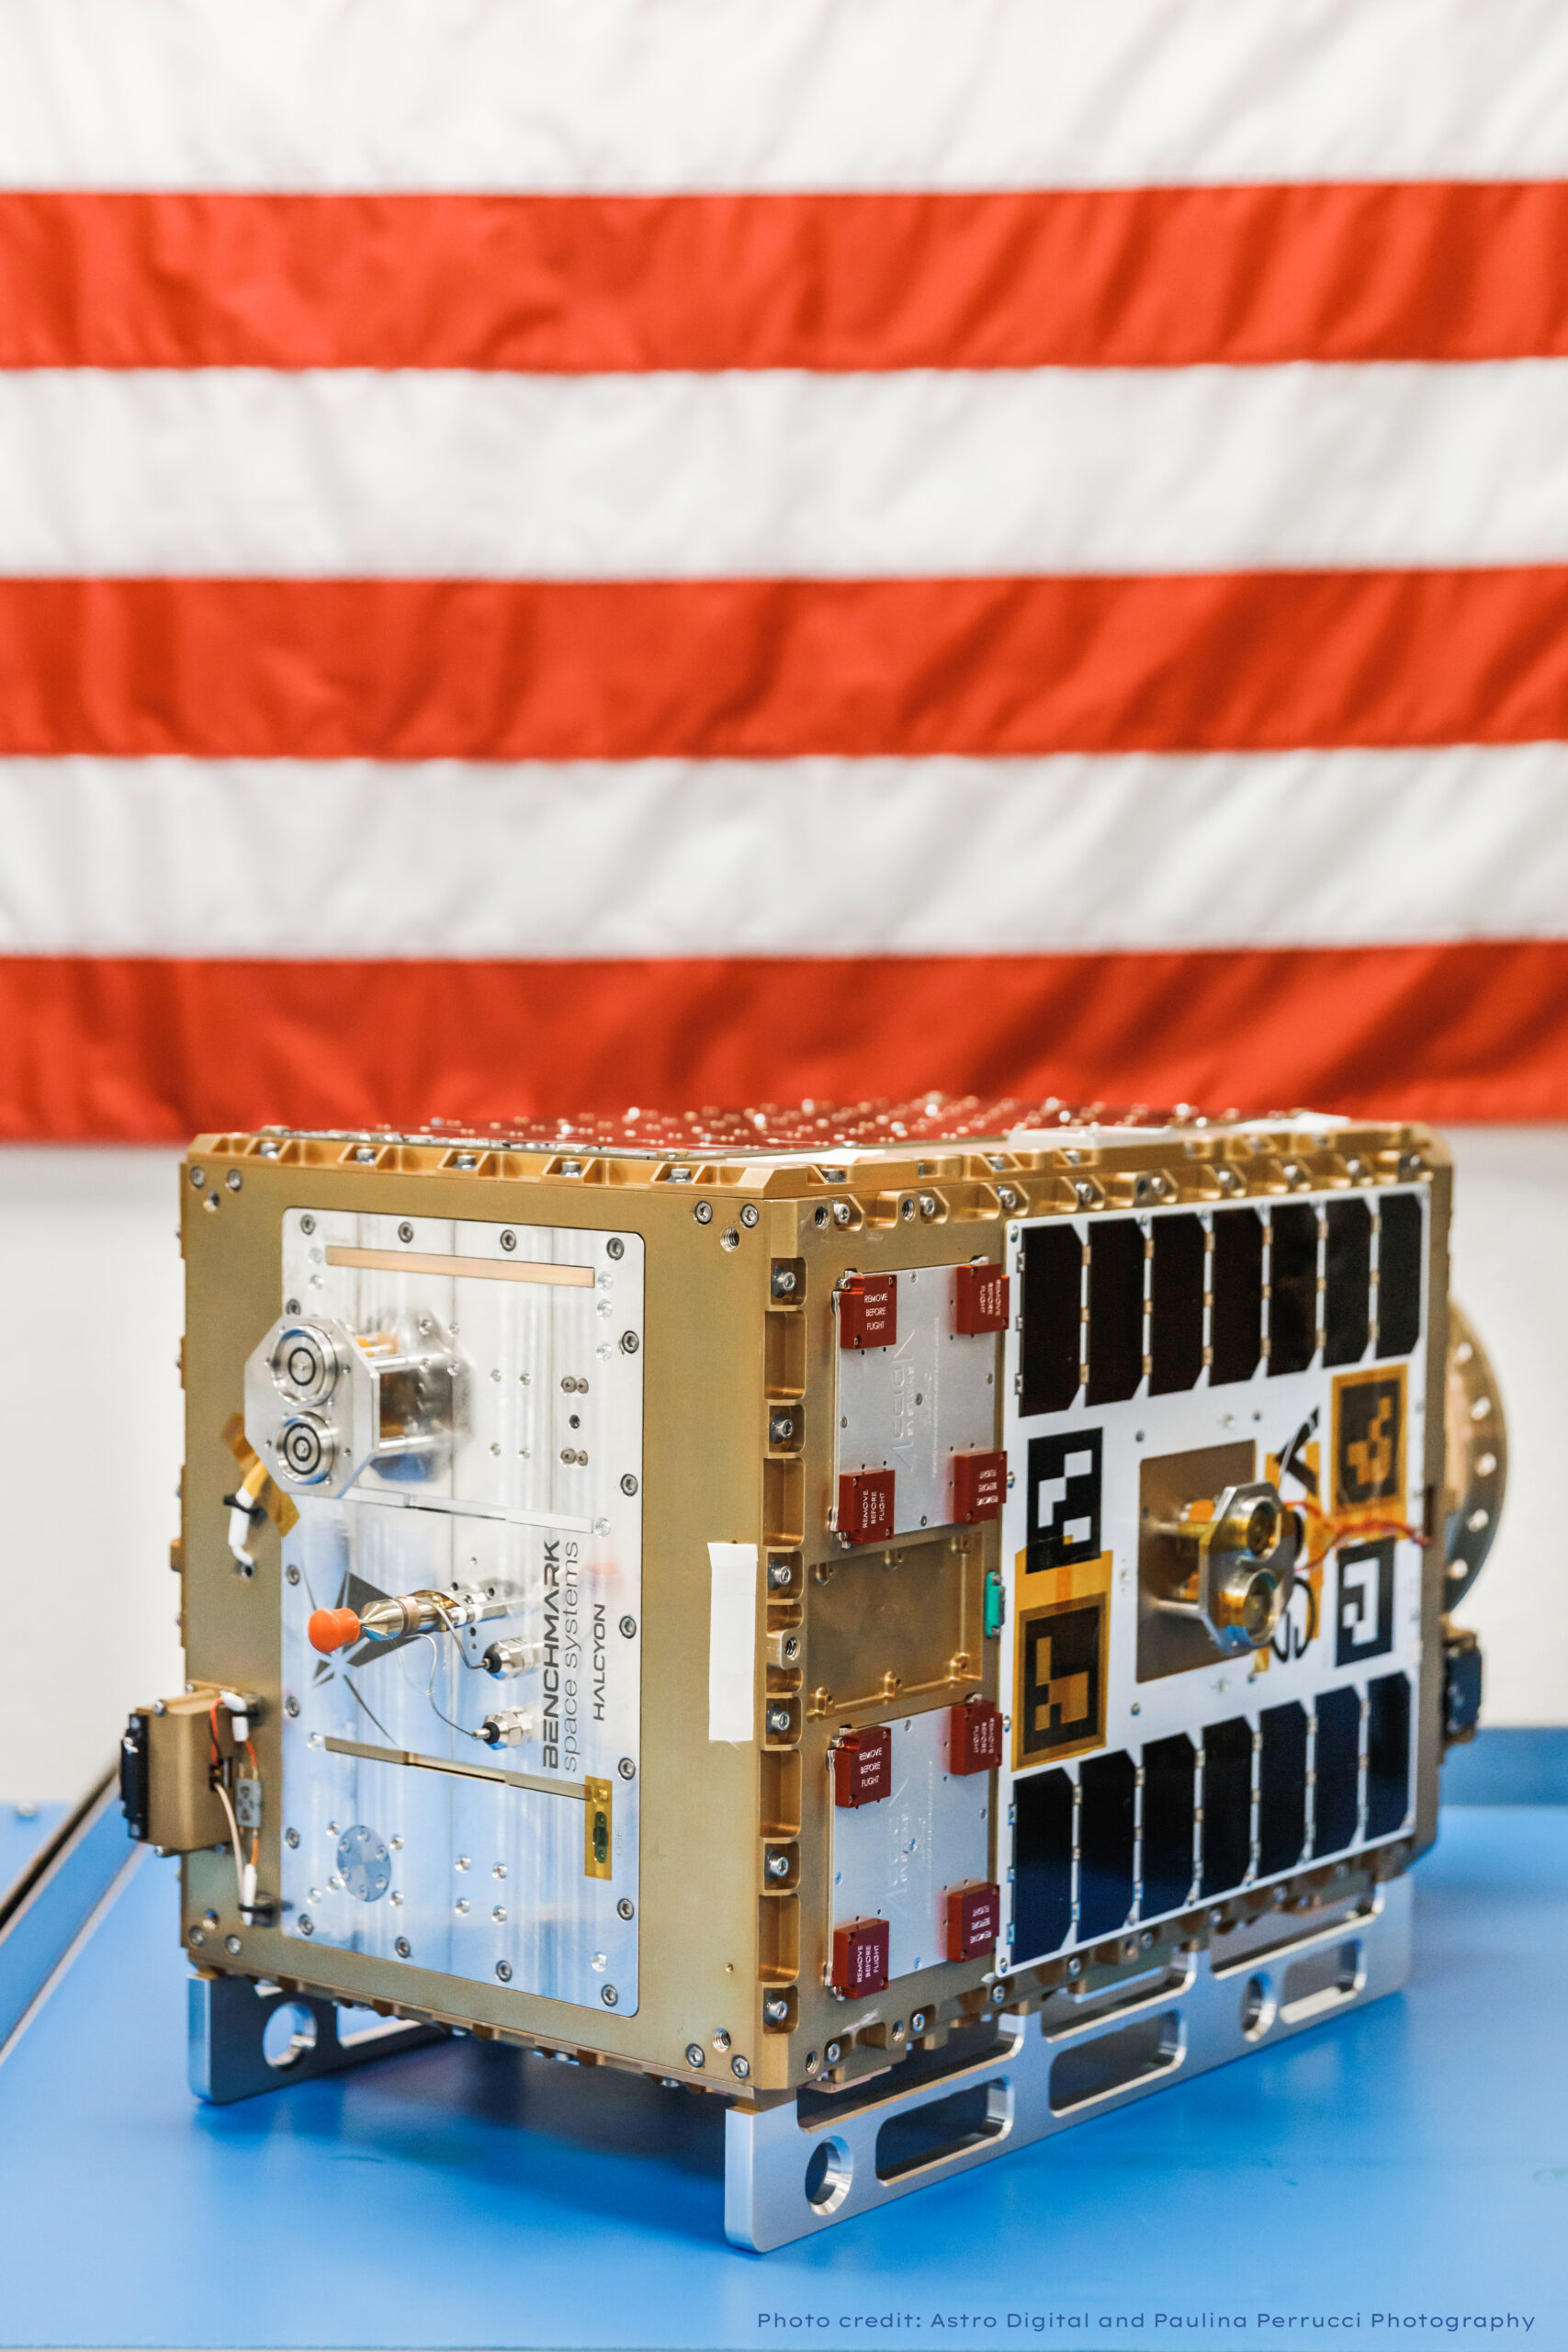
{"x":508,"y":1657}
{"x":508,"y":1727}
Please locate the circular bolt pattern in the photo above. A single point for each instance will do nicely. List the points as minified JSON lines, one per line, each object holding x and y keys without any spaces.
{"x":625,"y":1908}
{"x":703,"y":1211}
{"x":364,"y":1864}
{"x":403,"y":1949}
{"x":628,"y":1485}
{"x":628,"y":1626}
{"x":503,"y":1969}
{"x":626,"y":1768}
{"x":695,"y":2055}
{"x":741,"y":2067}
{"x":609,"y":1995}
{"x":749,"y":1214}
{"x":629,"y":1343}
{"x":614,"y":1247}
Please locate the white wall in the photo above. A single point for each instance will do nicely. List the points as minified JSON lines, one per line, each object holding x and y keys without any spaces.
{"x":90,"y":1437}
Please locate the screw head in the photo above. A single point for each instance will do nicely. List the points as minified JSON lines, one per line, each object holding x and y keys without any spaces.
{"x":906,"y":1210}
{"x":292,"y":1836}
{"x":721,"y":2040}
{"x":842,"y":1212}
{"x":626,"y":1768}
{"x":1146,"y":1941}
{"x":783,"y":1284}
{"x":812,"y":2062}
{"x":778,"y":1866}
{"x":778,"y":1719}
{"x":198,"y":1936}
{"x":199,"y":1177}
{"x":233,"y":1180}
{"x":509,"y":1240}
{"x":998,"y":1994}
{"x":927,"y":1206}
{"x":776,"y":2009}
{"x":307,"y":1223}
{"x":917,"y":2021}
{"x":741,"y":2067}
{"x":609,"y":1995}
{"x":792,"y":1647}
{"x":291,"y":1706}
{"x":614,"y":1247}
{"x":750,"y":1213}
{"x":628,"y":1626}
{"x":403,"y":1949}
{"x":625,"y":1908}
{"x":832,"y":2053}
{"x":231,"y":1943}
{"x":703,"y":1211}
{"x":503,"y":1969}
{"x":695,"y":2055}
{"x":291,"y":1576}
{"x":1075,"y":1968}
{"x":628,"y":1485}
{"x":629,"y":1343}
{"x":780,"y":1574}
{"x":820,"y":1215}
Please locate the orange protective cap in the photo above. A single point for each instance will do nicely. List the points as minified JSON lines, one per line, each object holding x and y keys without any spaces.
{"x":333,"y":1629}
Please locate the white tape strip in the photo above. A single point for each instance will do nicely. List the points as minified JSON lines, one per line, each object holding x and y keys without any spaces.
{"x":732,"y":1643}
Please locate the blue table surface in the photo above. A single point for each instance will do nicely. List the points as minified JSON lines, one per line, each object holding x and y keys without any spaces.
{"x":1410,"y":2160}
{"x":23,"y":1829}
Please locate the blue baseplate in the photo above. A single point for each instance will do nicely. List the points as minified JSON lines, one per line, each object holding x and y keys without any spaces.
{"x":1410,"y":2160}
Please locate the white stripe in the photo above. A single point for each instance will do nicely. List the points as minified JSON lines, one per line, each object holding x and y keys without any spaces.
{"x":776,"y":94}
{"x":352,"y":473}
{"x":258,"y":858}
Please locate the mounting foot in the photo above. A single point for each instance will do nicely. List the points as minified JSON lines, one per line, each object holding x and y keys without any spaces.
{"x":247,"y":2037}
{"x":822,"y":2157}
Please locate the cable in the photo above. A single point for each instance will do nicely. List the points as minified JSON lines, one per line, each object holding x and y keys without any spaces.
{"x":435,"y":1662}
{"x":247,"y":1902}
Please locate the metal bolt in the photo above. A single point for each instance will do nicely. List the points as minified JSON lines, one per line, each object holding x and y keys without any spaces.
{"x":307,"y":1223}
{"x":842,"y":1212}
{"x":780,"y":1574}
{"x":1007,"y":1197}
{"x":509,"y":1240}
{"x":775,"y":2009}
{"x":741,"y":2067}
{"x":231,"y":1943}
{"x":998,"y":1994}
{"x":703,"y":1211}
{"x":730,"y":1239}
{"x":832,"y":2053}
{"x":291,"y":1576}
{"x":307,"y":1924}
{"x":695,"y":2055}
{"x":626,"y":1768}
{"x":917,"y":2021}
{"x":628,"y":1626}
{"x":292,"y":1836}
{"x":628,"y":1485}
{"x":1146,"y":1941}
{"x":781,"y":1427}
{"x":1084,"y":1193}
{"x":750,"y":1213}
{"x":783,"y":1281}
{"x":233,"y":1180}
{"x":778,"y":1719}
{"x":291,"y":1706}
{"x":403,"y":1949}
{"x":405,"y":1231}
{"x":198,"y":1177}
{"x":196,"y":1936}
{"x":625,"y":1908}
{"x":614,"y":1247}
{"x":609,"y":1995}
{"x":721,"y":2040}
{"x":1075,"y":1968}
{"x":791,"y":1649}
{"x":778,"y":1866}
{"x":927,"y":1206}
{"x":907,"y":1210}
{"x":819,"y":1214}
{"x":812,"y":2062}
{"x":503,"y":1969}
{"x":629,"y":1343}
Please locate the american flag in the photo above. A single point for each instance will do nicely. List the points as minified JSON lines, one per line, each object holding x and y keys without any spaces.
{"x":560,"y":552}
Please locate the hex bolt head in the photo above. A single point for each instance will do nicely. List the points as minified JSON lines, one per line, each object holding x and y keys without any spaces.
{"x":609,"y":1995}
{"x":626,"y":1768}
{"x":695,"y":2055}
{"x":832,"y":2053}
{"x":503,"y":1969}
{"x":614,"y":1247}
{"x":405,"y":1231}
{"x":628,"y":1626}
{"x":750,"y":1213}
{"x":628,"y":1484}
{"x":917,"y":2021}
{"x":741,"y":2067}
{"x":625,"y":1908}
{"x":703,"y":1211}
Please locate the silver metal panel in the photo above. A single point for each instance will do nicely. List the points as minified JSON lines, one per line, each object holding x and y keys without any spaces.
{"x":912,"y":1406}
{"x":1023,"y":2091}
{"x":897,"y":1859}
{"x":487,"y":1878}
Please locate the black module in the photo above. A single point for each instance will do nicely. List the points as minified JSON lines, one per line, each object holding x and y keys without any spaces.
{"x":1053,"y":1319}
{"x":1399,"y":1273}
{"x":1107,"y":1785}
{"x":1226,"y":1838}
{"x":1388,"y":1754}
{"x":1338,"y":1771}
{"x":1282,"y":1788}
{"x":1176,"y":1304}
{"x":1293,"y":1287}
{"x":1347,"y":1282}
{"x":1236,"y":1331}
{"x":1063,"y":1498}
{"x":1042,"y":1863}
{"x":1115,"y":1310}
{"x":1169,"y":1810}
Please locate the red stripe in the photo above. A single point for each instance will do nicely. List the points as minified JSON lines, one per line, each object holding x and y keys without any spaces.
{"x":404,"y":670}
{"x":1081,"y":278}
{"x":126,"y":1050}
